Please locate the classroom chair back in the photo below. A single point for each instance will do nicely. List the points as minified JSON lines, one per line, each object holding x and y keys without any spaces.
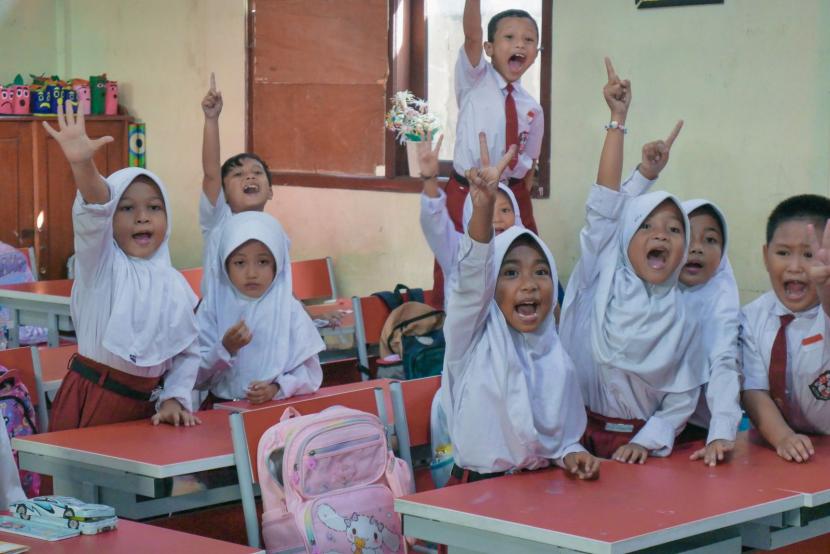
{"x":194,"y":279}
{"x":313,"y":280}
{"x":412,"y":406}
{"x":248,"y":427}
{"x":21,"y":360}
{"x":50,"y":365}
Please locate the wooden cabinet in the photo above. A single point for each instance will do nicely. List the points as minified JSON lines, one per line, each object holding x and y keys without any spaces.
{"x":35,"y":178}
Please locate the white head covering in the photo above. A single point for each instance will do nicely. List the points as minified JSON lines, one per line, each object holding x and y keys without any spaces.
{"x":152,"y":305}
{"x":283,"y":334}
{"x":642,"y":328}
{"x":524,"y":379}
{"x":468,"y":207}
{"x":723,"y":280}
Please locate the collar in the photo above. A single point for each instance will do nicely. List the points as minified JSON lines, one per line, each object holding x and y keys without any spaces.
{"x":778,"y":309}
{"x":502,"y":82}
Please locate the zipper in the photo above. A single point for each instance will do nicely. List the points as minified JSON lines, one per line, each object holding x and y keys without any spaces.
{"x":342,"y":445}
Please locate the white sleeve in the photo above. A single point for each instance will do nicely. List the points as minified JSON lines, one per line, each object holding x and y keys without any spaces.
{"x":636,"y":184}
{"x":303,"y":379}
{"x":180,"y":379}
{"x":658,"y":434}
{"x":467,"y":76}
{"x":92,"y":224}
{"x":10,"y":489}
{"x":753,"y":366}
{"x":723,"y":392}
{"x":469,"y":302}
{"x":439,"y":230}
{"x":214,"y":357}
{"x":211,"y":215}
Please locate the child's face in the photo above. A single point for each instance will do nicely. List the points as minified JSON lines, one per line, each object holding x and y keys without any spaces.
{"x":524,"y":288}
{"x":705,"y":250}
{"x":656,"y":249}
{"x":140,"y":221}
{"x":503,"y":215}
{"x":514,"y":47}
{"x":787,"y":258}
{"x":246,"y":187}
{"x":251,"y":268}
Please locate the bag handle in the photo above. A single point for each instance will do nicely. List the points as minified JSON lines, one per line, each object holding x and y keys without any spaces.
{"x":289,"y":412}
{"x":400,"y":326}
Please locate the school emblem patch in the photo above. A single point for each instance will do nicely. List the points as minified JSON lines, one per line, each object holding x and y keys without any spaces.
{"x":821,"y":386}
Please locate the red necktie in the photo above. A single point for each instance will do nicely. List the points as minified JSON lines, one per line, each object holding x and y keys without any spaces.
{"x":778,"y":364}
{"x":512,"y":130}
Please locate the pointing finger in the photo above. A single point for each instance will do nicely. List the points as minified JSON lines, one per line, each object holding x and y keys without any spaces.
{"x":612,"y":75}
{"x":212,"y":82}
{"x":674,"y":133}
{"x":484,"y":151}
{"x":506,"y":159}
{"x":438,"y":144}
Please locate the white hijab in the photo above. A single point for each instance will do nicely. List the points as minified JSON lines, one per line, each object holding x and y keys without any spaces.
{"x":152,"y":305}
{"x":642,"y":328}
{"x":283,"y":334}
{"x":526,"y":378}
{"x":468,"y":208}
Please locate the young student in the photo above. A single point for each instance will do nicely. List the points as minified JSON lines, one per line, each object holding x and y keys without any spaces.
{"x":257,"y":341}
{"x":491,"y":99}
{"x":133,"y":312}
{"x":10,"y":489}
{"x":711,"y":296}
{"x":623,"y":320}
{"x":435,"y":221}
{"x":504,"y":363}
{"x":784,"y":345}
{"x":241,"y":184}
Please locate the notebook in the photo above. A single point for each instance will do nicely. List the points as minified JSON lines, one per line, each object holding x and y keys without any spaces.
{"x":35,"y":530}
{"x":11,"y":548}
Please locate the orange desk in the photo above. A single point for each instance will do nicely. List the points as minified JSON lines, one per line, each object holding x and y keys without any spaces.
{"x":132,"y":538}
{"x":114,"y":463}
{"x":674,"y":503}
{"x":42,"y":303}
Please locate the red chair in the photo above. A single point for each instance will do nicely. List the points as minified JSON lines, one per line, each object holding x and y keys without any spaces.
{"x":194,"y":279}
{"x":313,"y":280}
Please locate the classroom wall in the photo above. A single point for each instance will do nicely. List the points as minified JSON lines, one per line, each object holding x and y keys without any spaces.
{"x":746,"y":76}
{"x":28,"y":38}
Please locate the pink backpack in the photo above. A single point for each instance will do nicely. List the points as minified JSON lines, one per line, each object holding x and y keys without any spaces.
{"x":328,"y":484}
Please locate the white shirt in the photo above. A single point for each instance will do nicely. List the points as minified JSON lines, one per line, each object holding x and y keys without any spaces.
{"x":480,"y":93}
{"x":211,"y":220}
{"x":808,"y":359}
{"x":93,"y":301}
{"x":10,"y":489}
{"x":504,"y":410}
{"x":615,"y":393}
{"x":441,"y":235}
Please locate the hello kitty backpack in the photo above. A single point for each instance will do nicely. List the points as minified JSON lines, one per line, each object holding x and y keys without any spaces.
{"x":328,"y":484}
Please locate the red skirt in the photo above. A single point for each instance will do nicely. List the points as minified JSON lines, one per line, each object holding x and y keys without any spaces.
{"x":82,"y":403}
{"x":604,"y":435}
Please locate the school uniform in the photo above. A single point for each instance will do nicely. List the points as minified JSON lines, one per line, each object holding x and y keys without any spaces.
{"x":716,"y":306}
{"x":443,"y":239}
{"x":212,"y":218}
{"x":285,"y":344}
{"x":511,"y":399}
{"x":133,"y":320}
{"x":637,"y":354}
{"x":804,"y":400}
{"x":10,"y":489}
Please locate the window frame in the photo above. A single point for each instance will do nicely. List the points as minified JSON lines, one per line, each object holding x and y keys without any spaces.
{"x":407,"y":70}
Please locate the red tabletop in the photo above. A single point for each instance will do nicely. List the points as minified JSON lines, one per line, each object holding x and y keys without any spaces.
{"x":129,"y":538}
{"x":323,"y":392}
{"x":61,"y":287}
{"x":140,"y":447}
{"x":344,"y":304}
{"x":630,"y":507}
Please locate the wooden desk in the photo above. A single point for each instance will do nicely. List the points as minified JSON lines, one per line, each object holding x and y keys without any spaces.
{"x":114,"y":463}
{"x":673,"y":503}
{"x":42,"y":303}
{"x":132,"y":538}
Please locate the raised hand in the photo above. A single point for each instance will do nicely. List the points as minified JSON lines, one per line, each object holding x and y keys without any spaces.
{"x":72,"y":138}
{"x":819,"y":270}
{"x":237,"y":336}
{"x":212,"y":102}
{"x":484,"y":180}
{"x":428,"y":157}
{"x":656,"y":154}
{"x":617,"y":93}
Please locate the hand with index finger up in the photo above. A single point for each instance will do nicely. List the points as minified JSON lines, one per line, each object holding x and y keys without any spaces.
{"x":656,"y":154}
{"x":485,"y":180}
{"x":212,"y":102}
{"x":617,"y":93}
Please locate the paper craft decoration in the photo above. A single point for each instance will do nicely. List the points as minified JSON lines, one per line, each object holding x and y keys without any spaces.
{"x":6,"y":101}
{"x":111,"y":99}
{"x":41,"y":100}
{"x":69,"y":98}
{"x":21,"y":99}
{"x":137,"y":145}
{"x":84,"y":98}
{"x":98,"y":88}
{"x":55,"y":97}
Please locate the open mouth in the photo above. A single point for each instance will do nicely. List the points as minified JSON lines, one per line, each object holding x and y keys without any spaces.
{"x":693,"y":268}
{"x":516,"y":62}
{"x":250,"y":188}
{"x":795,"y":290}
{"x":143,"y":238}
{"x":657,"y":257}
{"x":528,"y":312}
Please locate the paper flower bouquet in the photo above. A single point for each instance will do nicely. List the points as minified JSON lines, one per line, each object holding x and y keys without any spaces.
{"x":412,"y":122}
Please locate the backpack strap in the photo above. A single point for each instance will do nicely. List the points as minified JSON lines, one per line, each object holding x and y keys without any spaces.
{"x":400,"y":326}
{"x":395,"y":298}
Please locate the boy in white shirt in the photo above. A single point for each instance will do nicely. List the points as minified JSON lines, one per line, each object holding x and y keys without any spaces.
{"x":786,"y":357}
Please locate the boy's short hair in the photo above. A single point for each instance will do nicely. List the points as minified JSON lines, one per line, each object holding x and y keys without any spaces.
{"x":707,"y":209}
{"x":803,"y":206}
{"x":236,"y":161}
{"x":493,"y":25}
